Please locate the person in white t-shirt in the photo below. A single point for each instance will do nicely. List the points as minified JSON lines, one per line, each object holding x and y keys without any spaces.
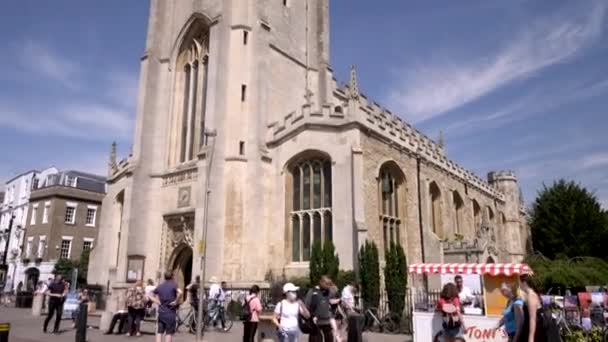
{"x":286,"y":314}
{"x":465,"y":295}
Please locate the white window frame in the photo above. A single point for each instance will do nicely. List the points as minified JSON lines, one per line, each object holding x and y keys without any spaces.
{"x":94,"y":208}
{"x":91,"y":240}
{"x":73,"y":205}
{"x":45,"y":212}
{"x":34,"y":213}
{"x":28,"y":247}
{"x":41,"y":246}
{"x":66,"y":238}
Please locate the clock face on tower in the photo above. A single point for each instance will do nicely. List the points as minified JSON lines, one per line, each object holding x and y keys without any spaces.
{"x":183,"y":197}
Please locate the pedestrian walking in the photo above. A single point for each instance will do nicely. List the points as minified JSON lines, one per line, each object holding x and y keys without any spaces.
{"x":149,"y":289}
{"x":319,"y":307}
{"x":56,"y":293}
{"x":513,"y":315}
{"x":83,"y":298}
{"x":450,"y":309}
{"x":532,"y":327}
{"x":136,"y":305}
{"x":286,"y":314}
{"x":253,"y":306}
{"x":354,"y":318}
{"x":167,"y":296}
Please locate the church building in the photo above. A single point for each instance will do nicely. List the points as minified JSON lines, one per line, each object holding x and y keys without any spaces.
{"x":238,"y":97}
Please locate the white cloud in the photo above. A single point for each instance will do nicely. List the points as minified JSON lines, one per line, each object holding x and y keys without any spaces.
{"x":40,"y":59}
{"x":536,"y":102}
{"x":123,"y":88}
{"x":594,"y":160}
{"x":437,"y":87}
{"x":103,"y":110}
{"x":87,"y":121}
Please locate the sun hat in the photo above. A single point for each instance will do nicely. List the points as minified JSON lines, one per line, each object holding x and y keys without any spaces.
{"x":290,"y":287}
{"x":213,"y":279}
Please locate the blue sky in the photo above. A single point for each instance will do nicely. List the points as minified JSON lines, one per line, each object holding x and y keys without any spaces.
{"x":516,"y":84}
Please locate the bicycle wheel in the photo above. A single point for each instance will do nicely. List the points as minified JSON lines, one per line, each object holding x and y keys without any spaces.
{"x":391,"y":323}
{"x":371,"y":320}
{"x":192,"y":325}
{"x":229,"y":317}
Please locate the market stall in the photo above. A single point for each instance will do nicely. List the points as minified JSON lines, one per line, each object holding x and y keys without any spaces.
{"x":484,"y":312}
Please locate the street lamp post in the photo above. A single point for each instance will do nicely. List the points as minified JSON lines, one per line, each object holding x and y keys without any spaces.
{"x":199,"y":326}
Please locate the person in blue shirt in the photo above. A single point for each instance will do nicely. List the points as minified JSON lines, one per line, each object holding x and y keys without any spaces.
{"x":513,"y":314}
{"x":167,"y":296}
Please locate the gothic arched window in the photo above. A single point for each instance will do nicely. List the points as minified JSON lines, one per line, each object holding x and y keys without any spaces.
{"x":490,"y":216}
{"x":435,"y":217}
{"x":390,"y":185}
{"x":311,"y":215}
{"x":458,"y":205}
{"x":190,"y":94}
{"x":476,"y":215}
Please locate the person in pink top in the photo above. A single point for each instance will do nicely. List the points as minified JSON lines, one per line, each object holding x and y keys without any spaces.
{"x":255,"y":307}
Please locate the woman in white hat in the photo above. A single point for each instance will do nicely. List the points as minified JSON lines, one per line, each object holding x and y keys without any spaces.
{"x":286,"y":314}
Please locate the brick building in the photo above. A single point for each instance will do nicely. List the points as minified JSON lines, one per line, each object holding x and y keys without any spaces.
{"x":62,"y":222}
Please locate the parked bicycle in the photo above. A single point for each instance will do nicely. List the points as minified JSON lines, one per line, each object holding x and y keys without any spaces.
{"x":218,"y":315}
{"x":186,"y":316}
{"x":388,"y":323}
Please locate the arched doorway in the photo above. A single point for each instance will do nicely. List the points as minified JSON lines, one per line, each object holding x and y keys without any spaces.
{"x":32,"y":275}
{"x":181,"y":265}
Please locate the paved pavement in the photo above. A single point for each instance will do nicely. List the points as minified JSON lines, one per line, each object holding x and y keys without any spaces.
{"x":27,"y":328}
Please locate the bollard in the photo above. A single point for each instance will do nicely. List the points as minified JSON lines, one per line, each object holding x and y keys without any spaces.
{"x":5,"y":328}
{"x":81,"y":323}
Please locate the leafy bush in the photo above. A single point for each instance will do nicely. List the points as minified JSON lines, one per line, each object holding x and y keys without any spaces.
{"x":595,"y":335}
{"x":316,"y":269}
{"x":331,"y":261}
{"x":323,"y":261}
{"x":568,"y":273}
{"x":369,"y":273}
{"x":395,"y":278}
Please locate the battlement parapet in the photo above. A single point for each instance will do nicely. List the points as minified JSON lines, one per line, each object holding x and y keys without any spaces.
{"x":381,"y":121}
{"x":503,"y":175}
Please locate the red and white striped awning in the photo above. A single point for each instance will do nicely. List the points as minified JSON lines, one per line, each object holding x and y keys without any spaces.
{"x":492,"y":269}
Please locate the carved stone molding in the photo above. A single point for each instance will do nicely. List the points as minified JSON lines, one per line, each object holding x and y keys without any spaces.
{"x":178,"y":229}
{"x":180,"y":176}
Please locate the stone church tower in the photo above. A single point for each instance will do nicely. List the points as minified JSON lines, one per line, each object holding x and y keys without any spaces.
{"x":239,"y":94}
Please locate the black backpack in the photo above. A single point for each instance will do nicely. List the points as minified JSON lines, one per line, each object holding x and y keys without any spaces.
{"x":306,"y":325}
{"x":246,"y":311}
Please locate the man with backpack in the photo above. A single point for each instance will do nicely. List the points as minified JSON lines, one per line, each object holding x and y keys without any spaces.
{"x":317,"y":302}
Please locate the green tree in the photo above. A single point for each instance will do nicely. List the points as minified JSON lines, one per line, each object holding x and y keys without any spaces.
{"x":369,"y":274}
{"x":83,"y":266}
{"x":331,"y":261}
{"x":323,"y":261}
{"x":566,"y":219}
{"x":315,"y":264}
{"x":395,"y":277}
{"x":64,"y":267}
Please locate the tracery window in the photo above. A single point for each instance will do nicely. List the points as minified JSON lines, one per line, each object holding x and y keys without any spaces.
{"x":190,"y":94}
{"x":311,"y":214}
{"x":476,"y":215}
{"x":458,"y":208}
{"x":390,"y":183}
{"x":435,"y":217}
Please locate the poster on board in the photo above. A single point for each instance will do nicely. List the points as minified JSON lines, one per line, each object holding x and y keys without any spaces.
{"x":472,"y":281}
